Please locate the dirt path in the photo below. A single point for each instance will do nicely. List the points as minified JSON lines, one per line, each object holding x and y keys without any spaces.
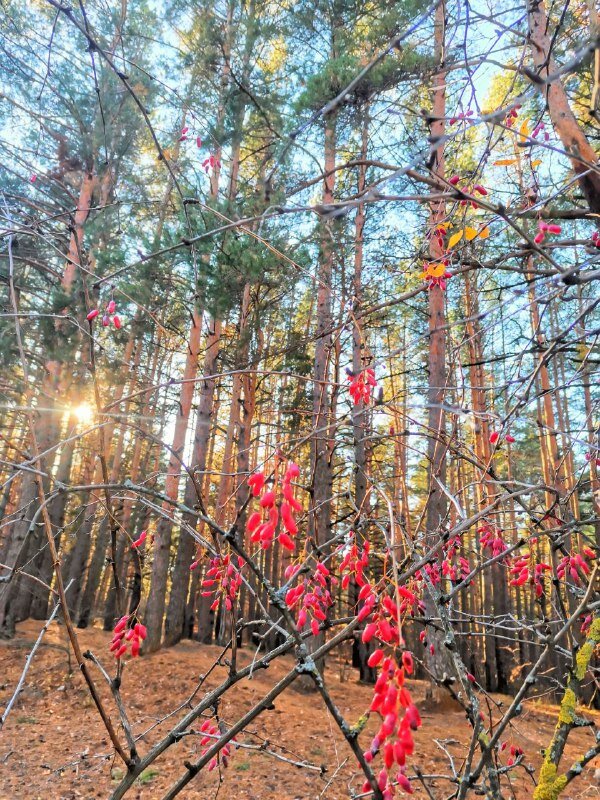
{"x":53,"y":746}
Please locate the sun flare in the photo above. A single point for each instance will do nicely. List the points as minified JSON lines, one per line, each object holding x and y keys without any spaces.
{"x":84,"y":413}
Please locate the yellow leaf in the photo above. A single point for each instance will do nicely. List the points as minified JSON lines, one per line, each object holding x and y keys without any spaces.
{"x":505,"y":162}
{"x":484,"y":233}
{"x":455,"y":238}
{"x":470,"y":234}
{"x":524,"y":132}
{"x":536,"y":162}
{"x":583,"y":351}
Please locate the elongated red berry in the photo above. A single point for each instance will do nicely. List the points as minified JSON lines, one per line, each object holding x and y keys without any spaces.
{"x":92,"y":315}
{"x":375,"y":658}
{"x":285,"y":541}
{"x":267,"y":500}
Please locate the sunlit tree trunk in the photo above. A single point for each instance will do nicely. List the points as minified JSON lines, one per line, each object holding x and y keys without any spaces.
{"x":175,"y":619}
{"x":162,"y":541}
{"x":584,"y":158}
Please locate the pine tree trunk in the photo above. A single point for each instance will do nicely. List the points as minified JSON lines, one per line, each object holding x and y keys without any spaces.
{"x":321,"y":446}
{"x":162,"y":541}
{"x":175,"y":619}
{"x":563,"y":119}
{"x":438,"y":662}
{"x":360,"y":651}
{"x":42,"y":566}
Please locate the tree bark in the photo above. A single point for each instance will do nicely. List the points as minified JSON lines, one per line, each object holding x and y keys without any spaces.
{"x":175,"y":619}
{"x":162,"y":541}
{"x":438,"y":662}
{"x":563,"y":119}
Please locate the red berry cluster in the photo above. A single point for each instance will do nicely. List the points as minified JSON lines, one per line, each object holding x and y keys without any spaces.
{"x":108,"y":316}
{"x":543,"y":229}
{"x":437,"y":274}
{"x":361,"y":385}
{"x":311,"y":595}
{"x":455,"y":567}
{"x":400,"y":717}
{"x":576,"y":566}
{"x":185,"y":135}
{"x":210,"y":163}
{"x":490,"y":538}
{"x":538,"y":129}
{"x":423,"y":640}
{"x":438,"y":234}
{"x":384,"y":624}
{"x":262,"y":524}
{"x":525,"y":571}
{"x":125,"y":637}
{"x":410,"y":602}
{"x":464,"y":115}
{"x":592,"y":457}
{"x":354,"y":563}
{"x":515,"y":752}
{"x":596,"y":239}
{"x":476,"y":189}
{"x":512,"y":116}
{"x":224,"y":578}
{"x":495,"y":438}
{"x":211,"y":732}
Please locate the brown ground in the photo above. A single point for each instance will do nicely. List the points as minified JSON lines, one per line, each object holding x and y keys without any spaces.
{"x":54,"y":746}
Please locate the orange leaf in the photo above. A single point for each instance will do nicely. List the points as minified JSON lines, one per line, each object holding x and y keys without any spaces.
{"x":436,"y":270}
{"x":455,"y":239}
{"x":470,"y":234}
{"x":484,"y":232}
{"x":524,"y":132}
{"x":536,"y":162}
{"x":505,"y":162}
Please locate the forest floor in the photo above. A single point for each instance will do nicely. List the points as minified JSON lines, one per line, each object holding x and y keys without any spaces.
{"x":55,"y":747}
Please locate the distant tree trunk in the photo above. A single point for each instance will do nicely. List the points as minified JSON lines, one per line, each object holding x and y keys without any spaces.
{"x":175,"y":620}
{"x":360,"y":651}
{"x":592,"y":431}
{"x":98,"y":559}
{"x":498,"y":662}
{"x":13,"y":603}
{"x":43,"y":566}
{"x":321,"y":446}
{"x":78,"y":558}
{"x":162,"y":540}
{"x":14,"y":556}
